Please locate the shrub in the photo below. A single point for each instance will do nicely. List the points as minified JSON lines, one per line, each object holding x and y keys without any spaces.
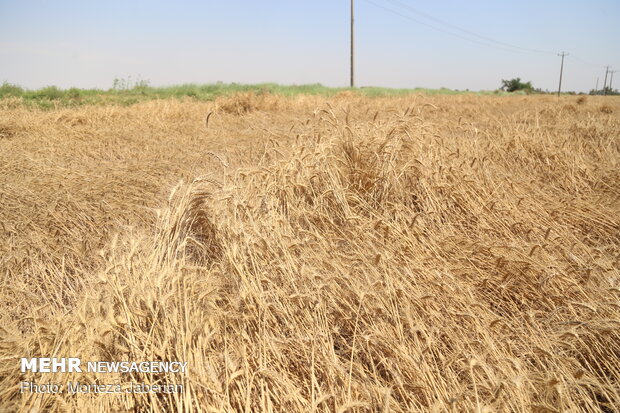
{"x":50,"y":92}
{"x":514,"y":85}
{"x":9,"y":89}
{"x":74,"y":93}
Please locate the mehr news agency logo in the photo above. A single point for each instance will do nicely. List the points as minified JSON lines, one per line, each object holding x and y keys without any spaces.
{"x":75,"y":365}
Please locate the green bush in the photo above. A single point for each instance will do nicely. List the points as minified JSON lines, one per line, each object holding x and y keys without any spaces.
{"x":514,"y":85}
{"x":74,"y":93}
{"x":50,"y":93}
{"x":606,"y":91}
{"x":10,"y":90}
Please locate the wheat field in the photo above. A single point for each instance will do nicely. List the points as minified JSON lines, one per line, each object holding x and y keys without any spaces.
{"x":316,"y":254}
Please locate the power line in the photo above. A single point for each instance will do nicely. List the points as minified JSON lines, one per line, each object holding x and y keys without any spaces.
{"x":488,"y":41}
{"x":440,"y":29}
{"x":469,"y":32}
{"x":586,"y":62}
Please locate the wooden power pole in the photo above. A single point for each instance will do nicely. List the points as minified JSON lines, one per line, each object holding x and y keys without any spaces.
{"x":605,"y":82}
{"x":596,"y":87}
{"x":561,"y":70}
{"x":352,"y":49}
{"x":611,"y":80}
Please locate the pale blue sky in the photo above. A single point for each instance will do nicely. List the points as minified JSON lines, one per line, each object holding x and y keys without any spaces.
{"x":89,"y":43}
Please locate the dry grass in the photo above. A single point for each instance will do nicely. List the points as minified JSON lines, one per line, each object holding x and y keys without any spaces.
{"x":348,"y":254}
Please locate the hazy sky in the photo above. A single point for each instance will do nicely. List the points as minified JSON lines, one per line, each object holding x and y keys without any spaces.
{"x":89,"y":43}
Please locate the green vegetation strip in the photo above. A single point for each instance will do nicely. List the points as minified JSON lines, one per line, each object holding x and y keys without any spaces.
{"x":52,"y":96}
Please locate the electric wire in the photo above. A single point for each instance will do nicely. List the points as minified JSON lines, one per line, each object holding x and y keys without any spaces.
{"x":442,"y":30}
{"x":469,"y":32}
{"x":457,"y":31}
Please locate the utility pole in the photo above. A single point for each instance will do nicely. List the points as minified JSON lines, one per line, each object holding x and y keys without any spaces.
{"x":596,"y":88}
{"x":605,"y":82}
{"x":352,"y":49}
{"x":611,"y":80}
{"x":561,"y":70}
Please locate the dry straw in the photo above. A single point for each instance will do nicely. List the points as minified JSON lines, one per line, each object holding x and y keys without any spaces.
{"x":348,"y":254}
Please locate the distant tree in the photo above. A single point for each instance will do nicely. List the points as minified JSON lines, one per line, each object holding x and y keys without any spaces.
{"x":514,"y":85}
